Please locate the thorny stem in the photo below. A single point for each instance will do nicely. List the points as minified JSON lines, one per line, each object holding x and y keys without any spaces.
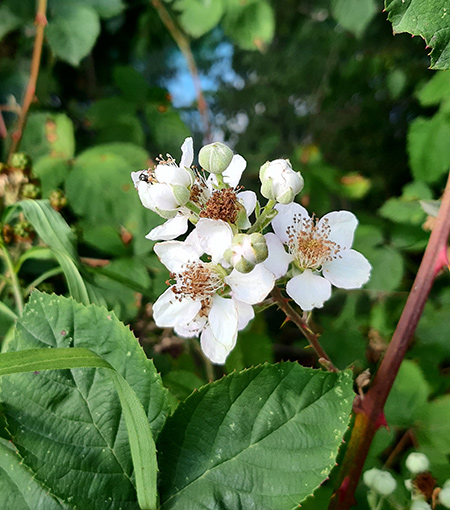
{"x":40,"y":22}
{"x":369,"y":411}
{"x":14,"y":280}
{"x":312,"y":337}
{"x":185,"y":48}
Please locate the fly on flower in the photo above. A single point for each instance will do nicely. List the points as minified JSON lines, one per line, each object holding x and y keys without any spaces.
{"x":321,"y":254}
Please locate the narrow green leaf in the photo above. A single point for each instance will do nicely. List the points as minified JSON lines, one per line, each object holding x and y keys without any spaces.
{"x":262,"y":438}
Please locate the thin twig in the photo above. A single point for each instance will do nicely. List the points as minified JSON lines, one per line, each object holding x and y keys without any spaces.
{"x":369,"y":411}
{"x":312,"y":337}
{"x":40,"y":22}
{"x":185,"y":48}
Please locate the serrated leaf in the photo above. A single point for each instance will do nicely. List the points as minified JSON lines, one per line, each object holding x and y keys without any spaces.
{"x":251,"y":25}
{"x":428,"y":142}
{"x":72,"y":31}
{"x":354,"y":15}
{"x":262,"y":438}
{"x":430,"y":19}
{"x":387,"y":268}
{"x":18,"y":488}
{"x":68,"y":425}
{"x":435,"y":90}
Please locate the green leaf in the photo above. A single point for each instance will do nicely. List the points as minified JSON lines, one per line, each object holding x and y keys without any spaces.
{"x":251,"y":24}
{"x":8,"y":21}
{"x":435,"y":90}
{"x":51,"y":171}
{"x":430,"y":19}
{"x":18,"y":488}
{"x":387,"y":268}
{"x":49,"y":134}
{"x":71,"y":426}
{"x":72,"y":31}
{"x":428,"y":142}
{"x":131,"y":83}
{"x":433,"y":428}
{"x":262,"y":438}
{"x":409,"y":394}
{"x":198,"y":17}
{"x":354,"y":15}
{"x":168,"y":130}
{"x":106,"y":8}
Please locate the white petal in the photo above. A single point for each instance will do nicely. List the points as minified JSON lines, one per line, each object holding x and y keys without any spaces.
{"x":161,"y":196}
{"x":175,"y":254}
{"x":172,"y":174}
{"x":351,"y":271}
{"x":223,"y":320}
{"x":213,"y":349}
{"x":251,"y":287}
{"x":169,"y":230}
{"x":248,"y":200}
{"x":232,"y":174}
{"x":284,"y":218}
{"x":135,"y":177}
{"x":342,"y":225}
{"x":309,"y":290}
{"x":194,"y":241}
{"x":169,"y":311}
{"x":215,"y":237}
{"x":193,"y":328}
{"x":146,"y":199}
{"x":245,"y":313}
{"x":278,"y":259}
{"x":187,"y":155}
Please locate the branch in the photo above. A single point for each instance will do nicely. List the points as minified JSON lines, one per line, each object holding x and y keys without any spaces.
{"x":369,"y":411}
{"x":185,"y":48}
{"x":40,"y":21}
{"x":312,"y":337}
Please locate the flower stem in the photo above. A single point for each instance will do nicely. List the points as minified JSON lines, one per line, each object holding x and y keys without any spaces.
{"x":369,"y":411}
{"x":17,"y":291}
{"x":40,"y":21}
{"x":312,"y":337}
{"x":265,"y":218}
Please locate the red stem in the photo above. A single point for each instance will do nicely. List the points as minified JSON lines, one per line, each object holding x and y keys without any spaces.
{"x":369,"y":412}
{"x":40,"y":21}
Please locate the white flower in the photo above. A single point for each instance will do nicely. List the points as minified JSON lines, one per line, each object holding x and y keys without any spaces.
{"x":279,"y":181}
{"x":420,"y":505}
{"x":444,"y":495}
{"x":319,"y":246}
{"x":166,"y":188}
{"x":206,"y":298}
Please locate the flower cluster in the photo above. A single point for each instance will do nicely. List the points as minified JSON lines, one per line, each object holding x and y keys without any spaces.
{"x":226,"y":264}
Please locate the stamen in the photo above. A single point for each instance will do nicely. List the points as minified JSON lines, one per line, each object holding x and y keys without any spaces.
{"x":222,"y":205}
{"x":198,"y":281}
{"x":309,"y":242}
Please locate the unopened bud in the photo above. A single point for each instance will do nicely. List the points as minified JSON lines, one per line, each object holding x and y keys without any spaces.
{"x":246,"y":251}
{"x":57,"y":199}
{"x":21,"y":161}
{"x":279,"y":181}
{"x":417,"y":462}
{"x":30,"y":190}
{"x":420,"y":505}
{"x":380,"y":481}
{"x":444,"y":495}
{"x":215,"y":157}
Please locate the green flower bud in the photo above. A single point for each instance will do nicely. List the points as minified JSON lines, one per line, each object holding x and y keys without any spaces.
{"x":215,"y":157}
{"x":30,"y":190}
{"x":57,"y":199}
{"x":246,"y":251}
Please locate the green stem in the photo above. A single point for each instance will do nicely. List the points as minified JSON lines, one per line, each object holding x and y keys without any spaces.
{"x":265,"y":218}
{"x":209,"y":369}
{"x":41,"y":278}
{"x":17,"y":291}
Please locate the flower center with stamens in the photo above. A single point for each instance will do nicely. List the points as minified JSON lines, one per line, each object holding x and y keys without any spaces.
{"x":222,"y":205}
{"x":309,"y":242}
{"x":198,"y":281}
